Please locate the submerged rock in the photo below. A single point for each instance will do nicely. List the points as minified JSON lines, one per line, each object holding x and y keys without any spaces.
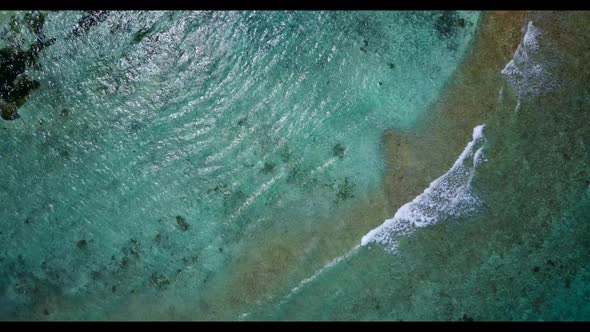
{"x":159,"y":281}
{"x":448,"y":24}
{"x":8,"y":111}
{"x":89,"y":19}
{"x":338,"y":150}
{"x":82,"y":244}
{"x":141,"y":34}
{"x":268,"y":167}
{"x":181,"y":223}
{"x":345,"y":190}
{"x":15,"y":85}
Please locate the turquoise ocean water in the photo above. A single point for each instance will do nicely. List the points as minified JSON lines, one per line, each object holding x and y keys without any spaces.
{"x":160,"y":145}
{"x":158,"y":141}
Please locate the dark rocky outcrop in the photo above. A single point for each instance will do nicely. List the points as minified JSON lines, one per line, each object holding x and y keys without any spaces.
{"x":15,"y":85}
{"x":89,"y":19}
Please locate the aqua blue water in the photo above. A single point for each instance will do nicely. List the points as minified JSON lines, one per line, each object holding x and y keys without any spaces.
{"x":222,"y":121}
{"x":503,"y":234}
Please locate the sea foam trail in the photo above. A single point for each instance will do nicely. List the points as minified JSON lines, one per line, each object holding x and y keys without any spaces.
{"x":525,"y":72}
{"x":326,"y":267}
{"x":448,"y":196}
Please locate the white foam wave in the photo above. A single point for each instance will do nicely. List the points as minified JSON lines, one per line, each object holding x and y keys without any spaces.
{"x":322,"y":167}
{"x":326,"y":267}
{"x":525,"y":72}
{"x":263,"y":188}
{"x":451,"y":195}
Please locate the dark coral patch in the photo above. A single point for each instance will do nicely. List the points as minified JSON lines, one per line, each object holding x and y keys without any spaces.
{"x":268,"y":167}
{"x":448,"y":24}
{"x":366,"y":44}
{"x":89,"y":19}
{"x":181,"y":223}
{"x":345,"y":190}
{"x":159,"y":281}
{"x":466,"y":318}
{"x":338,"y":150}
{"x":15,"y":85}
{"x":82,"y":244}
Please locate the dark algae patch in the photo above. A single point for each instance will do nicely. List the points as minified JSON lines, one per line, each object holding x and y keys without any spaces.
{"x":89,"y":19}
{"x":141,"y":34}
{"x":82,"y":244}
{"x":466,"y":318}
{"x":181,"y":223}
{"x":268,"y":167}
{"x":15,"y":85}
{"x":365,"y":45}
{"x":345,"y":190}
{"x":159,"y":281}
{"x":338,"y":150}
{"x":448,"y":23}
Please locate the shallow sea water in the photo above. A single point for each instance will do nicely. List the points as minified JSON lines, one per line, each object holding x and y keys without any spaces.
{"x":194,"y":165}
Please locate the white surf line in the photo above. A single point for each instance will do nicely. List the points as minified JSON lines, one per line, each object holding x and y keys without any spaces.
{"x":326,"y":267}
{"x":243,"y":316}
{"x":321,"y":168}
{"x":527,"y":76}
{"x":206,"y":170}
{"x":223,"y":152}
{"x":450,"y":195}
{"x":265,"y":187}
